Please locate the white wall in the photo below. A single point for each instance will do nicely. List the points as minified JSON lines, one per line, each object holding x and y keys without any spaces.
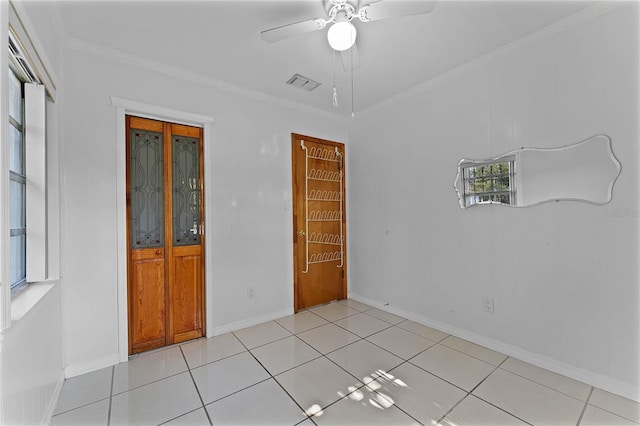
{"x":31,"y":364}
{"x":564,"y":276}
{"x":251,"y":193}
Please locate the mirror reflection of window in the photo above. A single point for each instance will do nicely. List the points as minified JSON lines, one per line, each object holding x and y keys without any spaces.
{"x":489,"y":182}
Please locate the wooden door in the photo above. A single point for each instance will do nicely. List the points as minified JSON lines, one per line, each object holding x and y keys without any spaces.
{"x":319,"y":221}
{"x":164,"y":233}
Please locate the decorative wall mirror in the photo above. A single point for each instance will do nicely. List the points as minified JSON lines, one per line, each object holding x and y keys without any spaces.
{"x":585,"y":171}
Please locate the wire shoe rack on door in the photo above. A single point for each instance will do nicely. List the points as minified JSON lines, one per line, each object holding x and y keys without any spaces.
{"x":318,"y":174}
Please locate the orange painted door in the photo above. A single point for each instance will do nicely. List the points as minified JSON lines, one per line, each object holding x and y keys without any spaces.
{"x":319,"y":221}
{"x":164,"y":232}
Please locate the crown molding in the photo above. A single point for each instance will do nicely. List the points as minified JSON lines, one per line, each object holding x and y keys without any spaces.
{"x":578,"y":18}
{"x":181,"y":73}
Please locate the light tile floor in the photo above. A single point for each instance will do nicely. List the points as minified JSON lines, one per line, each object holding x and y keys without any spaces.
{"x":345,"y":363}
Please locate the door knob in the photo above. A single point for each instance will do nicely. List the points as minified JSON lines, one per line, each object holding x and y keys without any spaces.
{"x":301,"y":233}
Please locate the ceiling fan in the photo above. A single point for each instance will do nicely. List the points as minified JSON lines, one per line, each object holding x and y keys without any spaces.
{"x":342,"y":33}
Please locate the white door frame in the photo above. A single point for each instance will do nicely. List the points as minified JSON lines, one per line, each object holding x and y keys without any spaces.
{"x":125,"y":107}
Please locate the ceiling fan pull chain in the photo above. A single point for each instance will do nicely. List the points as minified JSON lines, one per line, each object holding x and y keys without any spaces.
{"x":353,"y":111}
{"x":335,"y":91}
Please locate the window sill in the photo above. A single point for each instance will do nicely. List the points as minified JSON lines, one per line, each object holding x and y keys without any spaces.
{"x":28,"y":298}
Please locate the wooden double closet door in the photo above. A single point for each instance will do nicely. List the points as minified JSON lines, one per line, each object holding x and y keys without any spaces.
{"x":165,"y":237}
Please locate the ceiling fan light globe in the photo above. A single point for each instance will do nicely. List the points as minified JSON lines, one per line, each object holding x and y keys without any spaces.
{"x":341,"y":35}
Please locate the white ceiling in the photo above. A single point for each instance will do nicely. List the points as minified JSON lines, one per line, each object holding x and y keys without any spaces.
{"x":221,"y":40}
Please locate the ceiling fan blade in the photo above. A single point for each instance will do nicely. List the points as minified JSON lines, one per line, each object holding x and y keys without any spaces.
{"x":350,"y":59}
{"x":387,"y":9}
{"x":292,"y":30}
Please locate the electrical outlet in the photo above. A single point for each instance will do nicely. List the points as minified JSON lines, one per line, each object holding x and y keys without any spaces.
{"x":487,"y":304}
{"x":250,"y":293}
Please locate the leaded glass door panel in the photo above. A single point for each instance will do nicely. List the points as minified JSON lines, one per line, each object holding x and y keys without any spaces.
{"x":164,"y":220}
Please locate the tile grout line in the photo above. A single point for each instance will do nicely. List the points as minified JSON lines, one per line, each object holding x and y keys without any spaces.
{"x":544,"y":385}
{"x":470,"y":394}
{"x":496,"y":367}
{"x":393,"y":403}
{"x":376,"y":332}
{"x":420,"y":335}
{"x":151,"y":382}
{"x":206,"y":413}
{"x":210,"y":362}
{"x":444,"y":416}
{"x":88,"y":403}
{"x":113,"y":374}
{"x":271,"y":376}
{"x":584,"y":409}
{"x":373,"y":316}
{"x":82,"y":406}
{"x":296,"y":366}
{"x":472,"y":356}
{"x":264,"y":344}
{"x":336,"y":349}
{"x":303,"y":331}
{"x":493,"y":405}
{"x":436,"y":376}
{"x":177,"y":417}
{"x":618,"y":414}
{"x":238,"y":391}
{"x":282,"y":326}
{"x":407,"y":361}
{"x":488,"y":403}
{"x":393,"y":353}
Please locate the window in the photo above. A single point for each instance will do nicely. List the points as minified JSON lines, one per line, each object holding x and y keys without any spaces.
{"x":489,"y":182}
{"x":29,"y":205}
{"x":27,"y":170}
{"x":17,"y":183}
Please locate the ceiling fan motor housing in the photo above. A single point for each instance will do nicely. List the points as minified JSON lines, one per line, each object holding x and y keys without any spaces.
{"x":341,"y":11}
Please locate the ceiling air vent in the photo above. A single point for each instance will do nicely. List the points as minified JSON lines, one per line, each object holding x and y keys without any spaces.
{"x":303,"y":82}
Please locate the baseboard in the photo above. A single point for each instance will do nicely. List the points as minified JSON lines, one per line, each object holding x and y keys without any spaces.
{"x":251,"y":321}
{"x":594,"y":379}
{"x":51,"y":406}
{"x":88,"y":367}
{"x":113,"y":359}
